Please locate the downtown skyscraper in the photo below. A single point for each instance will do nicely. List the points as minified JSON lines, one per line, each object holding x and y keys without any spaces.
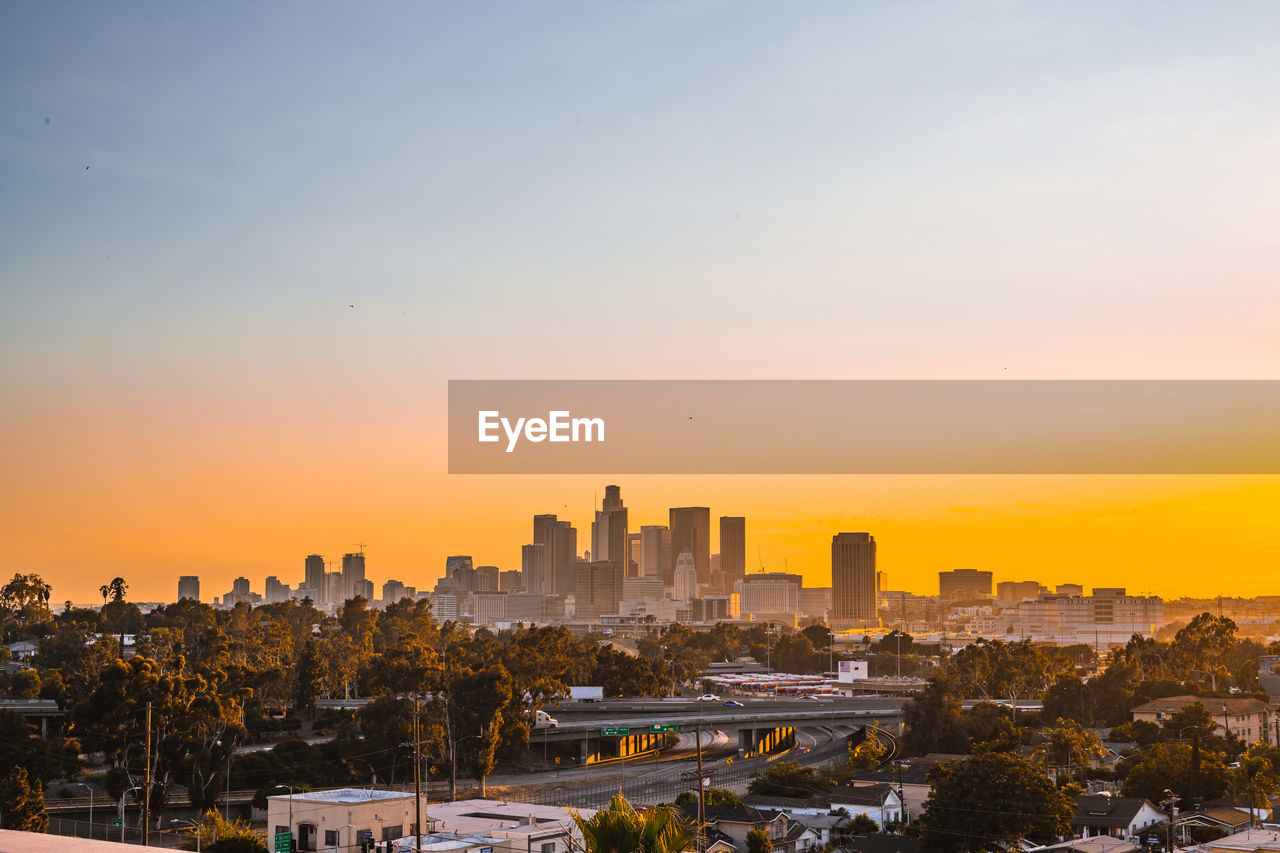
{"x":854,"y":593}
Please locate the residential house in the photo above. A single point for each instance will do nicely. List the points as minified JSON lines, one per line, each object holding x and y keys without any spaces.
{"x":736,"y":821}
{"x":1119,"y":817}
{"x":878,"y":801}
{"x":1245,"y":717}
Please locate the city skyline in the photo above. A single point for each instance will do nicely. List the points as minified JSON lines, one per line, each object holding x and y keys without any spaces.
{"x":1066,"y":565}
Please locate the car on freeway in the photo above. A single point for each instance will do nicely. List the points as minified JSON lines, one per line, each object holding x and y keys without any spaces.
{"x":732,"y":704}
{"x":708,"y":697}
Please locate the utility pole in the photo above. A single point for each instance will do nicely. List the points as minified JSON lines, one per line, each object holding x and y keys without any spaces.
{"x":146,"y":784}
{"x":1170,"y":801}
{"x":702,"y":797}
{"x":417,"y":778}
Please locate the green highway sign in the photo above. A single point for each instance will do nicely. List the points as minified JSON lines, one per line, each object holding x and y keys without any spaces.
{"x":615,"y":731}
{"x":664,"y":728}
{"x":115,"y":821}
{"x":283,"y":842}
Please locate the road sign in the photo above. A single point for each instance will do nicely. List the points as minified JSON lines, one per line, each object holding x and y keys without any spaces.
{"x":283,"y":842}
{"x":115,"y":821}
{"x":615,"y":731}
{"x":664,"y":728}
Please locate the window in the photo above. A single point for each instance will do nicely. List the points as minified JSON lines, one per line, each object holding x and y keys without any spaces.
{"x":548,"y":847}
{"x":280,"y":829}
{"x":391,"y":833}
{"x":331,"y":838}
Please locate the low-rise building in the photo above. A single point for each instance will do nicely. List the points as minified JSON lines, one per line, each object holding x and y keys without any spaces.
{"x":1118,"y":817}
{"x":1245,"y":717}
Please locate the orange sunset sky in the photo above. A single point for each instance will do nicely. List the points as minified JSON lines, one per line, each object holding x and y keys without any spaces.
{"x":243,"y":248}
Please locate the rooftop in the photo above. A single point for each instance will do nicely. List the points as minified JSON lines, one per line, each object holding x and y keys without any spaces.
{"x":1173,"y":704}
{"x":344,"y":796}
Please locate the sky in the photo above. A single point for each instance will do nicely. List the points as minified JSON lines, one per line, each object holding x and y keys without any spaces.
{"x":191,"y":199}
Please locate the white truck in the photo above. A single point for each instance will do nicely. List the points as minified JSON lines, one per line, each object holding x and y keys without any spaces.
{"x":586,"y":694}
{"x":543,"y":720}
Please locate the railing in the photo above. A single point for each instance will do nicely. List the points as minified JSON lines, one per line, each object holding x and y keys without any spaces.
{"x":168,"y":838}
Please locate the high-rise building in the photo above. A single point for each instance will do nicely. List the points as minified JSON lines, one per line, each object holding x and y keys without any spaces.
{"x":964,"y":585}
{"x":610,"y":539}
{"x":487,"y":578}
{"x":691,"y":530}
{"x":733,"y":549}
{"x":189,"y":587}
{"x":1069,"y":589}
{"x":636,"y":546}
{"x":598,"y":589}
{"x":655,"y":550}
{"x":771,"y":596}
{"x":561,"y":541}
{"x":533,"y":560}
{"x":313,"y":578}
{"x":686,"y":578}
{"x":352,"y":576}
{"x":393,"y":591}
{"x":853,"y":580}
{"x":274,"y":591}
{"x":1018,"y":590}
{"x":509,"y":580}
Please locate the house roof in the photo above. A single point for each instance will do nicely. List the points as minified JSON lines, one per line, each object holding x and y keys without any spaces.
{"x":729,"y":814}
{"x":1100,"y":810}
{"x":1172,"y":704}
{"x":1225,"y":815}
{"x":1096,"y":844}
{"x":817,"y":801}
{"x":862,"y":795}
{"x":915,"y":773}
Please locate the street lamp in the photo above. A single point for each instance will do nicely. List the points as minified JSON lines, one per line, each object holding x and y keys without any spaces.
{"x":178,"y":821}
{"x":122,"y":796}
{"x":90,"y":790}
{"x":339,"y":838}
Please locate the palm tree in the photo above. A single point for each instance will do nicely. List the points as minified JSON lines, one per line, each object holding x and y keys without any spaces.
{"x":1257,"y":779}
{"x":619,"y":828}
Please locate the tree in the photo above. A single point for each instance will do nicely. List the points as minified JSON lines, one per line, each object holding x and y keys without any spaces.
{"x":1256,"y":778}
{"x":713,"y":796}
{"x":1069,"y":698}
{"x":115,"y":590}
{"x":991,"y":801}
{"x":1067,"y":745}
{"x":619,"y":828}
{"x":1169,"y":765}
{"x":789,"y":779}
{"x":21,"y":803}
{"x":933,"y":719}
{"x":758,"y":842}
{"x":26,"y":597}
{"x":863,"y":825}
{"x":867,"y":754}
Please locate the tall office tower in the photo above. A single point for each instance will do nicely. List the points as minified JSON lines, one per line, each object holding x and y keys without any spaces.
{"x":240,"y":586}
{"x":486,"y":579}
{"x":964,"y":585}
{"x":464,"y":578}
{"x":561,"y":541}
{"x":509,"y":580}
{"x":457,"y":561}
{"x":532,"y":567}
{"x":393,"y":591}
{"x":189,"y":587}
{"x":691,"y":529}
{"x":655,"y":550}
{"x":771,"y":597}
{"x":609,"y":536}
{"x":853,"y":580}
{"x":313,"y":576}
{"x":352,"y":575}
{"x":686,"y":578}
{"x":636,"y":549}
{"x":274,"y":591}
{"x":733,"y":549}
{"x":597,"y":589}
{"x":333,"y":588}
